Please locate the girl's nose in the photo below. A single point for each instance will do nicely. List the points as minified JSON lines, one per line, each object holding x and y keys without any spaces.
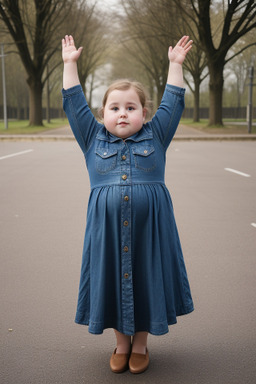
{"x":123,"y":112}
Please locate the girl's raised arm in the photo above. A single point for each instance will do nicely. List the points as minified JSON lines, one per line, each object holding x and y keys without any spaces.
{"x":176,"y":57}
{"x":70,"y":55}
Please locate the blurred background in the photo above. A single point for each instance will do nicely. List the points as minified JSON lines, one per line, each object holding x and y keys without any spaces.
{"x":128,"y":39}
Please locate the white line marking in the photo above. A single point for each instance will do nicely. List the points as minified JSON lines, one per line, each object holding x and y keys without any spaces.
{"x":253,"y":224}
{"x":237,"y":172}
{"x":16,"y":154}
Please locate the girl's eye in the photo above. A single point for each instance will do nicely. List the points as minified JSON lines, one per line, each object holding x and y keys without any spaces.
{"x":115,"y":109}
{"x":130,"y":108}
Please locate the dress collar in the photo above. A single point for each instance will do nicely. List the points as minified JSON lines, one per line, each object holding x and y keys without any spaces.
{"x":145,"y":133}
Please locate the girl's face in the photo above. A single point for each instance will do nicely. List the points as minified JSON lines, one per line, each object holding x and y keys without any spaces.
{"x":123,"y":113}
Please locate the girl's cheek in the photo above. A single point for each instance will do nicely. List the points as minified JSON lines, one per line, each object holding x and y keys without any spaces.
{"x":139,"y":120}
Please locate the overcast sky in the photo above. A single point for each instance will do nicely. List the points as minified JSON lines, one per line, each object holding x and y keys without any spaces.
{"x":107,"y":4}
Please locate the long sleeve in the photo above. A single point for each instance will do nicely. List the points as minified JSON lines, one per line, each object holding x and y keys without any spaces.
{"x":82,"y":121}
{"x":167,"y":117}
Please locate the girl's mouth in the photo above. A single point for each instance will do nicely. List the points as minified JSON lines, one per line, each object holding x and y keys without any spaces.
{"x":123,"y":123}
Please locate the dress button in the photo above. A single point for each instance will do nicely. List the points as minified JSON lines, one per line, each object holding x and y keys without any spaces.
{"x":123,"y":157}
{"x":126,"y":249}
{"x":126,"y":198}
{"x":145,"y":151}
{"x":124,"y":177}
{"x":126,"y":275}
{"x":105,"y":153}
{"x":126,"y":223}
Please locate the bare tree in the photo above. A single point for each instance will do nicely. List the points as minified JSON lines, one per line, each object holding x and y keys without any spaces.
{"x":17,"y":92}
{"x":142,"y":39}
{"x":94,"y":38}
{"x":35,"y":26}
{"x":235,"y":18}
{"x":195,"y":65}
{"x":239,"y":68}
{"x":152,"y":26}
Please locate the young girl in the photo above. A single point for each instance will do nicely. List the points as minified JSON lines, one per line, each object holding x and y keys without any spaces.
{"x":133,"y":276}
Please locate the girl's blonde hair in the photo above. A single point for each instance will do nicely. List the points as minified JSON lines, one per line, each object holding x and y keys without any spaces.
{"x":124,"y":85}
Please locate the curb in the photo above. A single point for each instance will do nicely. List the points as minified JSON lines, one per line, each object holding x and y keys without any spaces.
{"x":36,"y":138}
{"x":212,"y":137}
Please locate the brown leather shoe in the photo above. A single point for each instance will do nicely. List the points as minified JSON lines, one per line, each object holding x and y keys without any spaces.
{"x":119,"y":362}
{"x":138,"y":362}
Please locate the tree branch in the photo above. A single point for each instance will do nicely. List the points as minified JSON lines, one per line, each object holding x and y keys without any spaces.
{"x":239,"y":52}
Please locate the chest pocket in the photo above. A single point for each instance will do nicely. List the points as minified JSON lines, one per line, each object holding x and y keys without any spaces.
{"x":106,"y":159}
{"x":144,"y":158}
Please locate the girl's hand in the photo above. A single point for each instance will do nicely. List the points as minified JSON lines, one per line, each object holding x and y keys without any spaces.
{"x":69,"y":52}
{"x":178,"y":53}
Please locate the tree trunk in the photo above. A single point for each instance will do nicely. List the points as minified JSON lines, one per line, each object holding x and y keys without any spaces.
{"x":35,"y":102}
{"x":18,"y":112}
{"x":196,"y":101}
{"x":160,"y":92}
{"x":48,"y":118}
{"x":91,"y":90}
{"x":216,"y":91}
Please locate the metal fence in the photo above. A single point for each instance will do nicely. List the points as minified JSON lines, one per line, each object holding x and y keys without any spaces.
{"x":227,"y":113}
{"x":14,"y":113}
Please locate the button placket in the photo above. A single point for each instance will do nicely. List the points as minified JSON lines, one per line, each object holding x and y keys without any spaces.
{"x":126,"y":272}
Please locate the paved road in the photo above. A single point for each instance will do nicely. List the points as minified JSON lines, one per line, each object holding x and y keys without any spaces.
{"x":43,"y":199}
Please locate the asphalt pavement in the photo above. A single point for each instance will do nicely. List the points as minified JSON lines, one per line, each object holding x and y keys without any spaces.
{"x":44,"y":191}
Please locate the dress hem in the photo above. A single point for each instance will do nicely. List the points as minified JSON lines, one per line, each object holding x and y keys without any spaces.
{"x":156,"y":329}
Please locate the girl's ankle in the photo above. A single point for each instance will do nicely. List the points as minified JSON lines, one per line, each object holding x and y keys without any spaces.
{"x":139,"y":343}
{"x":123,"y":342}
{"x":141,"y":349}
{"x":122,"y":348}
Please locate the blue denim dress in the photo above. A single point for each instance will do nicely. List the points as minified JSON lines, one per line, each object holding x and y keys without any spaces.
{"x":133,"y":276}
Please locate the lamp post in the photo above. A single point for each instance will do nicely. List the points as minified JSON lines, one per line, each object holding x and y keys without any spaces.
{"x":250,"y":88}
{"x":4,"y":88}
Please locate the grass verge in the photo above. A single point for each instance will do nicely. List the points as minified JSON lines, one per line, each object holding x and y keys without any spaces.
{"x":19,"y":127}
{"x":230,"y":126}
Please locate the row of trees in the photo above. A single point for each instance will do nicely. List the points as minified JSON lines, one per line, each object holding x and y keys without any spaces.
{"x":221,"y":30}
{"x":36,"y":28}
{"x":133,"y":42}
